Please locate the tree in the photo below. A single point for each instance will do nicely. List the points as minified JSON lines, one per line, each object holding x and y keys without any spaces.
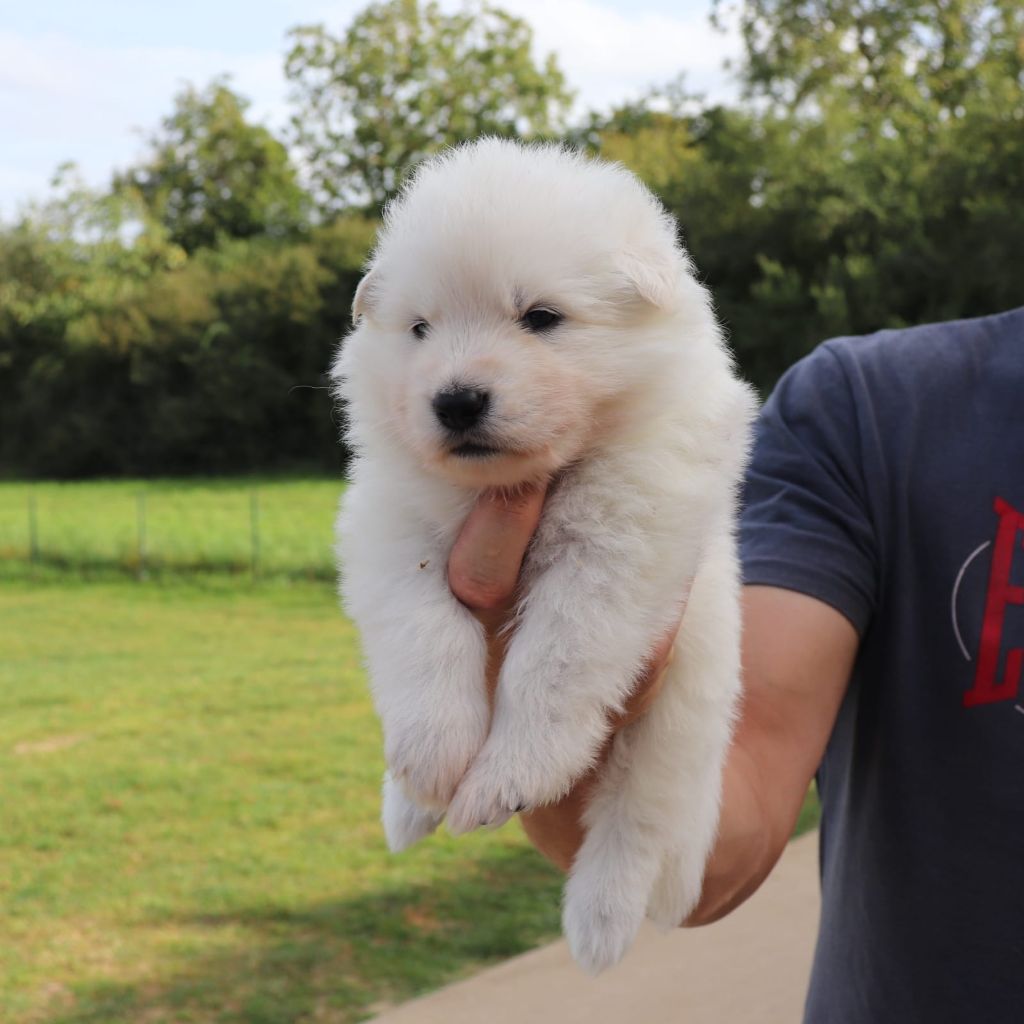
{"x":650,"y":135}
{"x":406,"y":80}
{"x":211,"y":174}
{"x":844,"y":200}
{"x":874,"y":182}
{"x":928,"y":56}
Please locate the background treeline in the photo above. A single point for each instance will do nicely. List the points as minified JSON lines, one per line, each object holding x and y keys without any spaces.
{"x":182,"y":319}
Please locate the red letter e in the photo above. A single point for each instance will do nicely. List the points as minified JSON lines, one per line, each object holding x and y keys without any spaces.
{"x":1001,"y":592}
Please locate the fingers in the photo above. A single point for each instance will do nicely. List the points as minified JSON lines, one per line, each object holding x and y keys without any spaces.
{"x":556,"y":830}
{"x":484,"y":564}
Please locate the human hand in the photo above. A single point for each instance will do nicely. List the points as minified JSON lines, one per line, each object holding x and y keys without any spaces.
{"x":483,"y":573}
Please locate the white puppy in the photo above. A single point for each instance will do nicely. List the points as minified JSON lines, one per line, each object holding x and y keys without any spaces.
{"x":529,"y":314}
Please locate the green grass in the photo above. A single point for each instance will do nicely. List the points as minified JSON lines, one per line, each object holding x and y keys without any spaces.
{"x":158,"y":526}
{"x":188,"y":818}
{"x":189,"y":832}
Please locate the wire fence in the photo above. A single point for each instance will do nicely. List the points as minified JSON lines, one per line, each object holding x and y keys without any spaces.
{"x":254,"y":528}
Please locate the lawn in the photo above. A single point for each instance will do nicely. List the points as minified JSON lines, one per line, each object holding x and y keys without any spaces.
{"x":188,"y":827}
{"x":261,"y":526}
{"x":188,"y":813}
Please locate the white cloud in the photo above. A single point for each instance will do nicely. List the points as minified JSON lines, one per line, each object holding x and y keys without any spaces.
{"x":62,"y":99}
{"x":68,"y":79}
{"x":609,"y":56}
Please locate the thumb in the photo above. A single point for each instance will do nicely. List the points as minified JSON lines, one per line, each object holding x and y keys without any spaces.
{"x":484,"y":565}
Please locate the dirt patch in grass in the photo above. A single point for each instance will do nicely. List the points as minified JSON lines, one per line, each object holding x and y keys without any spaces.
{"x":49,"y":745}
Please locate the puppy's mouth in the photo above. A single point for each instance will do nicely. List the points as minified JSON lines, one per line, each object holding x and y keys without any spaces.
{"x":475,"y":450}
{"x":484,"y":461}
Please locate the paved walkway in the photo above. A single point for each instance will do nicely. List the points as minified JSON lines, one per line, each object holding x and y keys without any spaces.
{"x":750,"y":968}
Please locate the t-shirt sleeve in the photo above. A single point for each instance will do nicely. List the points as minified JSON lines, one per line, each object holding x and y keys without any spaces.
{"x":806,"y":524}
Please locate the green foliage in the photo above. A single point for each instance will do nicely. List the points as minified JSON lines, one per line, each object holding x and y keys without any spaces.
{"x":178,"y":364}
{"x":899,"y":61}
{"x":211,"y":175}
{"x":653,"y":138}
{"x":872,"y":184}
{"x":405,"y":80}
{"x":182,"y":321}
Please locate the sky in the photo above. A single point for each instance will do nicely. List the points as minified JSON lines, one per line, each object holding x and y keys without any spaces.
{"x":86,"y":81}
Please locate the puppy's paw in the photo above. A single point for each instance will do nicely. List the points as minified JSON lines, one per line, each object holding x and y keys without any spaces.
{"x":404,"y":821}
{"x":487,"y":796}
{"x":600,"y":921}
{"x":515,"y":774}
{"x":430,"y":753}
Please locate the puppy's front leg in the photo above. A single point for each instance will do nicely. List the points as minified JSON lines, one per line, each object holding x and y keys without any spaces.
{"x":425,"y":652}
{"x":651,"y":819}
{"x":427,"y":657}
{"x":586,"y":626}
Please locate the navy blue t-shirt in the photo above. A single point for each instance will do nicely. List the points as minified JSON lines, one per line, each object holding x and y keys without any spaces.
{"x":888,"y":481}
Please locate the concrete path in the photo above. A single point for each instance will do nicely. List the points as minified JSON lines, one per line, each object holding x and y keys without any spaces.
{"x":750,"y":968}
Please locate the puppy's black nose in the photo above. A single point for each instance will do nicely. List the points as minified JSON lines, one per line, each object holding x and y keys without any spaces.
{"x":462,"y":408}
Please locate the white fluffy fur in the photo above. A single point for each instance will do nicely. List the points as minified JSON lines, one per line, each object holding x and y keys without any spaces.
{"x":632,"y":408}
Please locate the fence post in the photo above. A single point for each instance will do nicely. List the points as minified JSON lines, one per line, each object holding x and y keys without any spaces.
{"x":140,"y":510}
{"x":254,"y":532}
{"x":33,"y":529}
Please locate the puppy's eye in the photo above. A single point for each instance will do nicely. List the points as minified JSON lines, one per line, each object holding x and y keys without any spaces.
{"x":420,"y":328}
{"x":541,"y":319}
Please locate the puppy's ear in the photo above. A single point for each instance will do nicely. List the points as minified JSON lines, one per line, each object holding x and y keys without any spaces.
{"x":652,"y":277}
{"x":365,"y":297}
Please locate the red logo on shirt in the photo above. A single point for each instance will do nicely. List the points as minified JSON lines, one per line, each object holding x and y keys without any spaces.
{"x":997,"y":678}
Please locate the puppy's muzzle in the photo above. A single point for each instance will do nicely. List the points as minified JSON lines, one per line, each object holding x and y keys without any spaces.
{"x":461,"y":409}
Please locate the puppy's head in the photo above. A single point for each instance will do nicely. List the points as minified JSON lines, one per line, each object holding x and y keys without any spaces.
{"x":516,"y":297}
